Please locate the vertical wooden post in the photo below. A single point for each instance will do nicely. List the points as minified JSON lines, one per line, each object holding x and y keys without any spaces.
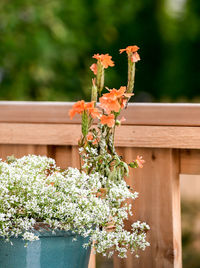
{"x":158,"y":205}
{"x":92,"y":261}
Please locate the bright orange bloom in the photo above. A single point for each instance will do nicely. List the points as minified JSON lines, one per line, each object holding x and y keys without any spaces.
{"x":105,"y":60}
{"x":114,"y":93}
{"x":132,"y":53}
{"x":93,"y":68}
{"x":80,"y":106}
{"x":109,"y":104}
{"x":77,"y":108}
{"x":140,"y":161}
{"x":93,"y":111}
{"x":129,"y":49}
{"x":108,"y":120}
{"x":89,"y":137}
{"x":114,"y":100}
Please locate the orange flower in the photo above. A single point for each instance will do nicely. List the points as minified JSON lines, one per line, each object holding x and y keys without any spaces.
{"x":129,"y":49}
{"x":109,"y":104}
{"x":132,"y":53}
{"x":118,"y":93}
{"x":89,"y":137}
{"x":81,"y":106}
{"x":108,"y":120}
{"x":140,"y":161}
{"x":93,"y":68}
{"x":77,"y":108}
{"x":114,"y":93}
{"x":114,"y":100}
{"x":93,"y":111}
{"x":105,"y":60}
{"x":89,"y":105}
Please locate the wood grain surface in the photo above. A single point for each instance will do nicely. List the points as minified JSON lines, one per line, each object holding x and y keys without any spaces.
{"x":126,"y":136}
{"x":158,"y":204}
{"x":156,"y":114}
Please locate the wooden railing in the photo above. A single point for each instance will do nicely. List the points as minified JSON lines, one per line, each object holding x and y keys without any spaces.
{"x":166,"y":135}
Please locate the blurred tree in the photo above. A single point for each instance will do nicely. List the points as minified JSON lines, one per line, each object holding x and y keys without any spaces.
{"x":179,"y":75}
{"x":46,"y":47}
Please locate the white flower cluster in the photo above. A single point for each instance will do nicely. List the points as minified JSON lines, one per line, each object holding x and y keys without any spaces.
{"x":34,"y":190}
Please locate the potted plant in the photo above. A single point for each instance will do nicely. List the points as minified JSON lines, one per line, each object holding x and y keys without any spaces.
{"x":58,"y":215}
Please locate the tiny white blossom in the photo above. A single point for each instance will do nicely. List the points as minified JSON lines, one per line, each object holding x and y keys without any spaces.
{"x":30,"y":236}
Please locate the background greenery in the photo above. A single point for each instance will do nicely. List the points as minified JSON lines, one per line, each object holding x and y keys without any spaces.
{"x":190,"y":233}
{"x":46,"y":47}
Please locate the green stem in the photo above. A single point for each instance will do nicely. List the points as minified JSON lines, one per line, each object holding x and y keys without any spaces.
{"x":116,"y":115}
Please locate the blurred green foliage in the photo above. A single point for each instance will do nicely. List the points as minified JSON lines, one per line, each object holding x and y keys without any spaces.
{"x":46,"y":48}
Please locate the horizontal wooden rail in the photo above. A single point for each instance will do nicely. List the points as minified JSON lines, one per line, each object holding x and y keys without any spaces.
{"x":126,"y":136}
{"x":150,"y":114}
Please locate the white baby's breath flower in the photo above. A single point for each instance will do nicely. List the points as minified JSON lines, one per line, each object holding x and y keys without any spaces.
{"x":33,"y":190}
{"x":30,"y":236}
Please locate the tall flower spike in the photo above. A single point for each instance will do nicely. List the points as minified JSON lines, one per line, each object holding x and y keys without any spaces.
{"x":100,"y":77}
{"x":103,"y":62}
{"x":133,"y":57}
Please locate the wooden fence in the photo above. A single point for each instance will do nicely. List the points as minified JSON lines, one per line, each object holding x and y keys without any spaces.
{"x":166,"y":135}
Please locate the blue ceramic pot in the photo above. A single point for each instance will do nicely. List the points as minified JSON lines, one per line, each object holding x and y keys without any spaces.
{"x":51,"y":251}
